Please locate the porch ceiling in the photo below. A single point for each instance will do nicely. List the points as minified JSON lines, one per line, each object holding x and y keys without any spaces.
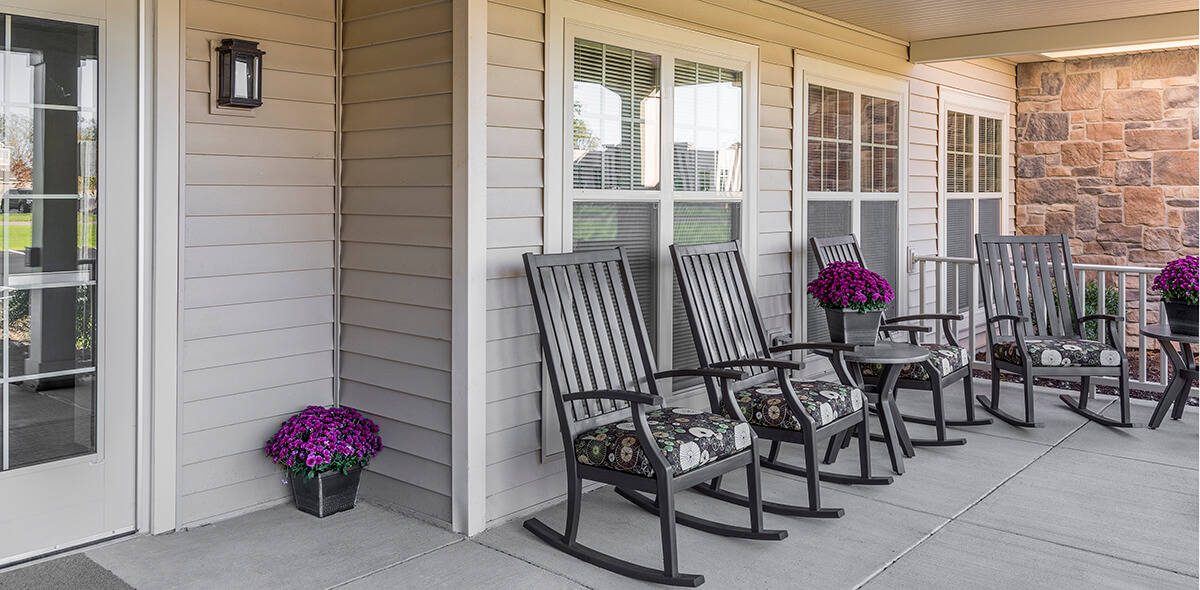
{"x":940,"y":30}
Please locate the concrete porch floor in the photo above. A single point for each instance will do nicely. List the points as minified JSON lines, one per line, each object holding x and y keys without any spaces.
{"x":1070,"y":505}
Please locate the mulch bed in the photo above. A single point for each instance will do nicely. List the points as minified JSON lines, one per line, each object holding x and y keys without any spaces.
{"x":1153,"y":373}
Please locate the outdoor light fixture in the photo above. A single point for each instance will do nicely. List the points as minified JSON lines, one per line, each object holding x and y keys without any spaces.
{"x":239,"y":74}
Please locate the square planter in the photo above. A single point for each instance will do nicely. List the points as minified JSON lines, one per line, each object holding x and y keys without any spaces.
{"x":1183,"y":318}
{"x":853,"y":327}
{"x":328,"y":493}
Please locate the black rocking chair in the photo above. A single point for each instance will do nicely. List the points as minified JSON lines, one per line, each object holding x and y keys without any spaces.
{"x":602,"y":374}
{"x":948,"y":363}
{"x":1035,"y":322}
{"x":728,"y":332}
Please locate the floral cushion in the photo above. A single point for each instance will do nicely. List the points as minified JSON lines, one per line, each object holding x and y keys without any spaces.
{"x":763,"y":404}
{"x":1060,"y":352}
{"x":945,"y":358}
{"x":687,"y":439}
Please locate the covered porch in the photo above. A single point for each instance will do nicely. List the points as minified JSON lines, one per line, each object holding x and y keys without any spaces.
{"x":1071,"y":505}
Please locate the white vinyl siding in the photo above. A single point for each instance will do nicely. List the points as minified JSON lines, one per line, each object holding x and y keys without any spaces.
{"x":258,"y":259}
{"x":396,"y":244}
{"x":517,"y":479}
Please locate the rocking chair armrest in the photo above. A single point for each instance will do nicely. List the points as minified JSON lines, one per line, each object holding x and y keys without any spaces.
{"x":1016,"y":319}
{"x":923,"y":316}
{"x":766,"y":363}
{"x":1099,"y":316}
{"x":718,"y":373}
{"x":812,"y":346}
{"x":635,"y":397}
{"x":913,"y":329}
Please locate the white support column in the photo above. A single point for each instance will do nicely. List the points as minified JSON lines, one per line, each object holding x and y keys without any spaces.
{"x":164,"y":141}
{"x":469,"y":332}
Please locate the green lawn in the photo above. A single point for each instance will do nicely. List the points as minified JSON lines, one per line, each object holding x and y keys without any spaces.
{"x":20,"y":233}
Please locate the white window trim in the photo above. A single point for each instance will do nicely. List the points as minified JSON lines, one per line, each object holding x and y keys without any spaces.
{"x":810,"y":70}
{"x":564,"y":20}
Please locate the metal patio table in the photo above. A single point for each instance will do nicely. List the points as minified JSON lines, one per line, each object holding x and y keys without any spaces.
{"x":893,"y":356}
{"x":1183,"y":371}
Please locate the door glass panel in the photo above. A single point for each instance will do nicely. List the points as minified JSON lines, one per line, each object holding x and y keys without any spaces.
{"x":881,"y":242}
{"x":826,"y":219}
{"x":48,"y":167}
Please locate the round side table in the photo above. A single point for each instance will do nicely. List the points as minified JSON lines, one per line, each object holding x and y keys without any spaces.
{"x":893,"y":356}
{"x":1183,"y":371}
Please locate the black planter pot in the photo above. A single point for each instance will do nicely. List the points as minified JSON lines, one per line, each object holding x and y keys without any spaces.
{"x":327,"y":493}
{"x":853,"y":327}
{"x":1183,"y":317}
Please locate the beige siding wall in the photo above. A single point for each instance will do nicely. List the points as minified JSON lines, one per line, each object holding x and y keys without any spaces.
{"x":517,"y":479}
{"x":396,"y":235}
{"x":258,"y":317}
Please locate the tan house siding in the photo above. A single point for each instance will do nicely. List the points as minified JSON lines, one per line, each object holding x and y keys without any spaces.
{"x":517,"y":477}
{"x":396,"y":243}
{"x":258,"y":261}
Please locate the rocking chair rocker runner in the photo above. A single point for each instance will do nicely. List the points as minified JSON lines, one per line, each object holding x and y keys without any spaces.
{"x":727,"y":330}
{"x":614,"y":429}
{"x":1035,"y":322}
{"x":949,"y":362}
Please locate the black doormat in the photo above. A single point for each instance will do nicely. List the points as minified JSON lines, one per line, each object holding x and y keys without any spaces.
{"x":65,"y":573}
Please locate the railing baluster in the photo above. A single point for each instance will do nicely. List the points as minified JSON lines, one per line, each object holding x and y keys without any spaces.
{"x":1101,"y":302}
{"x":1142,"y":353}
{"x":971,"y":300}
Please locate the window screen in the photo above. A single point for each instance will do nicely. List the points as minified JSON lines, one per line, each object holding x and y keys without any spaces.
{"x":697,"y":223}
{"x":708,"y":128}
{"x":880,"y":145}
{"x":880,"y":240}
{"x":617,"y":111}
{"x":830,"y":139}
{"x":826,"y":219}
{"x":990,"y":152}
{"x":959,"y":239}
{"x":960,"y":152}
{"x":607,"y":225}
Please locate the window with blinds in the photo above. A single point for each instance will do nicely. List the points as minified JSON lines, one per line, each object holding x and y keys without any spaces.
{"x":880,"y":145}
{"x":621,"y":126}
{"x":617,"y":96}
{"x":708,"y":128}
{"x":830,"y":139}
{"x":960,"y":152}
{"x":854,"y":180}
{"x":990,"y":154}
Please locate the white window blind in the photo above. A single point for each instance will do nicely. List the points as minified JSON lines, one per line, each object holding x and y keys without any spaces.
{"x":880,"y":144}
{"x":990,"y":154}
{"x":960,"y":152}
{"x":830,"y":139}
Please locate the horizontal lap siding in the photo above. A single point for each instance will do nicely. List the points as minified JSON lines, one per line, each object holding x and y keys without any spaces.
{"x":517,"y":479}
{"x":258,"y":284}
{"x":396,"y":233}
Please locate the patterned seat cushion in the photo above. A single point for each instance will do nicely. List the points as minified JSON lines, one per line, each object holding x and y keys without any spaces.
{"x":945,"y":358}
{"x":687,"y":439}
{"x":1060,"y":352}
{"x":763,"y":404}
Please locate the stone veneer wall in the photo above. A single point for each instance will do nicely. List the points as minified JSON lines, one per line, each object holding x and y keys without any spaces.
{"x":1107,"y":154}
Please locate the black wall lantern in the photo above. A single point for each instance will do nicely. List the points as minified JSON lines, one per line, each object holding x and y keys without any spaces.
{"x":239,"y":74}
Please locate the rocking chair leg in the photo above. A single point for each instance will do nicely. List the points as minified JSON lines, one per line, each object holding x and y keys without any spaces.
{"x":1126,"y":413}
{"x":1028,"y":397}
{"x":774,"y":454}
{"x":666,"y":516}
{"x":864,"y":448}
{"x":574,"y":505}
{"x":754,"y":493}
{"x":837,"y":442}
{"x":1085,"y":391}
{"x":813,"y":479}
{"x":969,"y":398}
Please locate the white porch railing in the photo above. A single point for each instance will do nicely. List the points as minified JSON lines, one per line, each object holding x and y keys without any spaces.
{"x":973,"y":330}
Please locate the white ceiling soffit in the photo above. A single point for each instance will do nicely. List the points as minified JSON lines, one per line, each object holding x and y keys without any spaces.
{"x":941,"y":30}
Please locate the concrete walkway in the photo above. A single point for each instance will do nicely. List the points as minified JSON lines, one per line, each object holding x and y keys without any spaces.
{"x":1070,"y":505}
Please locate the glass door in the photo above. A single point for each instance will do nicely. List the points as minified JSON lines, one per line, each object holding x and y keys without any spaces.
{"x":67,"y":393}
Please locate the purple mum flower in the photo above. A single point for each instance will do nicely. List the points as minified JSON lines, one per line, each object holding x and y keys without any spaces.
{"x":847,"y":285}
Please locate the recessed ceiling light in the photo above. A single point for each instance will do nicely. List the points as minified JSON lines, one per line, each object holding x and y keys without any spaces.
{"x":1121,"y":49}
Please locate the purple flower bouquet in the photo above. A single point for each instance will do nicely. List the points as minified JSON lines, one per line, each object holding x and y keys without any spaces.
{"x":1179,"y":283}
{"x":321,"y":439}
{"x":847,"y":285}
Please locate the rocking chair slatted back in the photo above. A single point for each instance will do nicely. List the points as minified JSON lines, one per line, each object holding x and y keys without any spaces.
{"x":836,"y":249}
{"x":1029,"y":276}
{"x":592,"y":333}
{"x":721,"y":307}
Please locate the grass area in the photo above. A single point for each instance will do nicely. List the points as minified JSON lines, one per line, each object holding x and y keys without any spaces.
{"x":20,"y":232}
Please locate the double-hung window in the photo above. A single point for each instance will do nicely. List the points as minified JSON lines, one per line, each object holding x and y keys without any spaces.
{"x":852,"y":155}
{"x":973,"y":140}
{"x":657,"y":152}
